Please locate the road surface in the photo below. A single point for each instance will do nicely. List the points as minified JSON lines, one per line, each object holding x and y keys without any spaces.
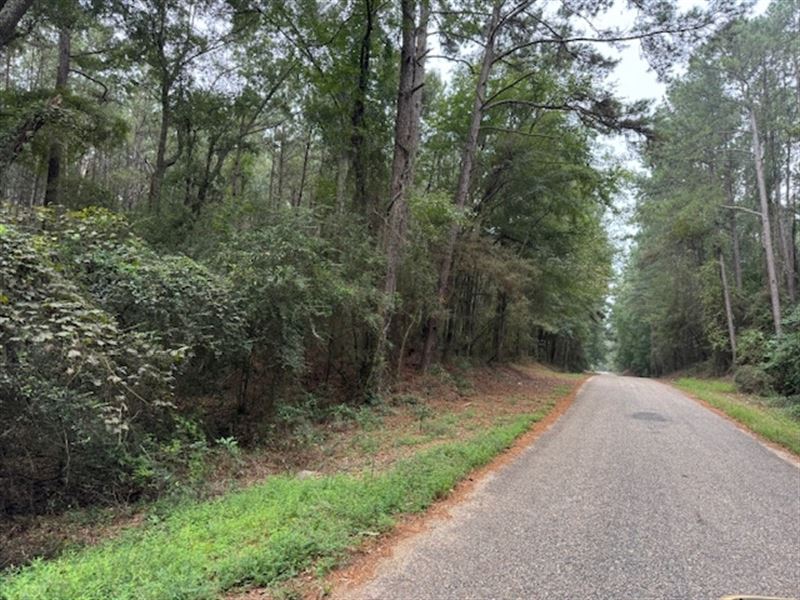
{"x":637,"y":492}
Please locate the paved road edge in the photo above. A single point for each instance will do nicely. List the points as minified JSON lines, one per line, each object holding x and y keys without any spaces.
{"x":776,"y":449}
{"x":365,"y":561}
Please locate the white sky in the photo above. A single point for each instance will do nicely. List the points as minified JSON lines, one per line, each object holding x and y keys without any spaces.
{"x":633,"y":77}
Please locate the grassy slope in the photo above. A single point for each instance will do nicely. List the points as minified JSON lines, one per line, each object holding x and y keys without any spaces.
{"x":261,"y":535}
{"x":771,"y":422}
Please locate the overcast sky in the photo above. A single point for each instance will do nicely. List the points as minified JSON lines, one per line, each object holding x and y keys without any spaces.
{"x":633,"y":77}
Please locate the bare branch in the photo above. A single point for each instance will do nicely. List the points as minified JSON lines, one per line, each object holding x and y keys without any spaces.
{"x":743,"y":209}
{"x":104,"y":97}
{"x":601,"y":40}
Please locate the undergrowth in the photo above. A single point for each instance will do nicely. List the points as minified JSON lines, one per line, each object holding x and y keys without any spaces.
{"x":260,"y":536}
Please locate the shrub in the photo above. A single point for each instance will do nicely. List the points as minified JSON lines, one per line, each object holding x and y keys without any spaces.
{"x":752,"y":347}
{"x":752,"y":380}
{"x":304,"y":295}
{"x":77,"y":393}
{"x":783,"y":363}
{"x":178,"y":300}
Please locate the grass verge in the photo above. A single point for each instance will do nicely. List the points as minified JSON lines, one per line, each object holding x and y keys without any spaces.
{"x":259,"y":536}
{"x":757,"y":414}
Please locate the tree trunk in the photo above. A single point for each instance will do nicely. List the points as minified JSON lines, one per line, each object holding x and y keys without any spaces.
{"x":772,"y":278}
{"x":9,"y":56}
{"x":237,"y":176}
{"x":358,"y":115}
{"x":728,"y":308}
{"x":736,"y":248}
{"x":788,"y":228}
{"x":464,"y":179}
{"x":303,"y":172}
{"x":500,"y":325}
{"x":281,"y":165}
{"x":11,"y":11}
{"x":406,"y":141}
{"x":271,"y":190}
{"x":161,"y":164}
{"x":211,"y":171}
{"x":342,"y":168}
{"x":56,"y":151}
{"x":737,"y":256}
{"x":784,"y":226}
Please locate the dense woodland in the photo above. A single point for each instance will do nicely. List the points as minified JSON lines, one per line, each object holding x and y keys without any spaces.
{"x":222,"y":217}
{"x":713,"y":276}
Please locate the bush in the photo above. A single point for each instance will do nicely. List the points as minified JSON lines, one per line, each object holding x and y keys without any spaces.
{"x":306,"y":298}
{"x":752,"y":347}
{"x":752,"y":380}
{"x":783,"y":363}
{"x":97,"y":334}
{"x":180,"y":301}
{"x":77,"y":393}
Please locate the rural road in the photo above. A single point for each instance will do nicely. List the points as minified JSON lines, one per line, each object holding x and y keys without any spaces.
{"x":637,"y":492}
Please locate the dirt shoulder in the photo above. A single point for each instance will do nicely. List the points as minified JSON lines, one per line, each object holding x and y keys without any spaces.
{"x":460,"y":404}
{"x":423,"y":411}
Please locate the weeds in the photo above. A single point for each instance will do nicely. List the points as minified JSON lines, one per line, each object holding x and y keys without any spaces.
{"x":422,"y":412}
{"x":259,"y":536}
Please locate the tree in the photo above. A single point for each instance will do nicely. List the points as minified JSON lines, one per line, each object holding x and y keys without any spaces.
{"x":11,"y":12}
{"x":414,"y":19}
{"x":513,"y":34}
{"x":718,"y":193}
{"x":170,"y":37}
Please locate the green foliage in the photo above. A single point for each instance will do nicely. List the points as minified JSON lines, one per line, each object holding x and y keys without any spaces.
{"x":72,"y":118}
{"x":783,"y":362}
{"x":259,"y":536}
{"x":433,"y":214}
{"x":99,"y":332}
{"x":751,"y":379}
{"x":187,"y":307}
{"x":752,"y":347}
{"x":292,"y":283}
{"x":696,"y":212}
{"x":77,"y":391}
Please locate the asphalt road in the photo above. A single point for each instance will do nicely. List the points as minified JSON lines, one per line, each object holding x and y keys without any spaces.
{"x":636,"y":492}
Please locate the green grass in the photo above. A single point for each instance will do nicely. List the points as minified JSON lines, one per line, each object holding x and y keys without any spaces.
{"x":440,"y":426}
{"x":259,"y":536}
{"x":771,"y":422}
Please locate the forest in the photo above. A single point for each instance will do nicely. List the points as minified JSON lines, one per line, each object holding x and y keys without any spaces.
{"x":712,"y":273}
{"x":222,"y":217}
{"x":275,"y":275}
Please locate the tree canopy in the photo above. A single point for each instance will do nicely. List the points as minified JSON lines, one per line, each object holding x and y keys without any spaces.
{"x":217,"y":209}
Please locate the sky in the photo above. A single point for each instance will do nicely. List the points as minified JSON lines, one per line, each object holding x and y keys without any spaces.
{"x":634,"y":79}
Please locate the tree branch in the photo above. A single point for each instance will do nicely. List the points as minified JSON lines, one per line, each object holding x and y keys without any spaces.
{"x":104,"y":97}
{"x":743,"y":209}
{"x":601,"y":40}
